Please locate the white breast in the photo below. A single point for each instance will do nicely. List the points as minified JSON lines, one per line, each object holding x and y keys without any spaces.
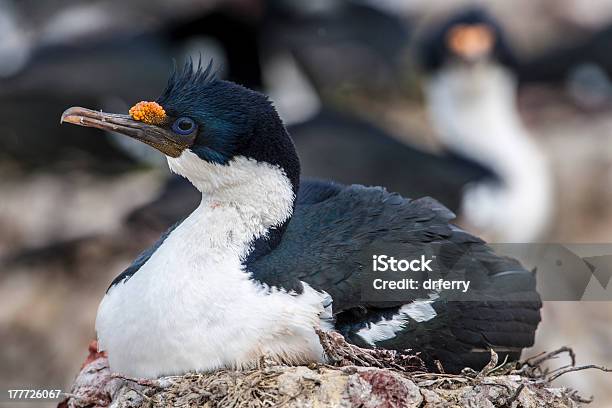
{"x":192,"y":307}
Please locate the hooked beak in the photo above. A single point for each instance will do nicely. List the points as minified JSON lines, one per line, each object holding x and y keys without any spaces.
{"x":161,"y":139}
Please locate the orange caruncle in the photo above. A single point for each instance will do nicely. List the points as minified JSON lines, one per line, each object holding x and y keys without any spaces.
{"x":151,"y":113}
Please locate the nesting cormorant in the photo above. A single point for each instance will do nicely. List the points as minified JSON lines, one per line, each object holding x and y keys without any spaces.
{"x":265,"y":259}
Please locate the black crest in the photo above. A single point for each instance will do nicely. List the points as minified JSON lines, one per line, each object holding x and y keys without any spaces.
{"x":187,"y":81}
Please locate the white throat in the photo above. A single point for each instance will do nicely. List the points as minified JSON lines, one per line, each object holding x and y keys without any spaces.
{"x":474,"y":111}
{"x":247,"y":197}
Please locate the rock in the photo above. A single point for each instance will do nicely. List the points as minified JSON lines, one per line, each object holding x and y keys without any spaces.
{"x":379,"y":388}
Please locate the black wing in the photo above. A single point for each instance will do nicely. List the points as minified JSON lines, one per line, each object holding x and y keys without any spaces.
{"x":329,"y":243}
{"x":334,"y":230}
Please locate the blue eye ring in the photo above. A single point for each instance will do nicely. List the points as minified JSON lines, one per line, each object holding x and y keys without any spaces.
{"x":183,"y":126}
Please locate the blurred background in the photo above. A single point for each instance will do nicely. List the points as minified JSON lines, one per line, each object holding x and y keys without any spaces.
{"x":504,"y":115}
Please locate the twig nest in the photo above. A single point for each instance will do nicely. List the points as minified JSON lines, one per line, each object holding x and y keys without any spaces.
{"x":355,"y":377}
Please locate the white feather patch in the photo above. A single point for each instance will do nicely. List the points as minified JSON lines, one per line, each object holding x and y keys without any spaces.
{"x":419,"y":311}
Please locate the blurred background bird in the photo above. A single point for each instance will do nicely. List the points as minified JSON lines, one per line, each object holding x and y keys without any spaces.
{"x":471,"y":93}
{"x":346,"y":76}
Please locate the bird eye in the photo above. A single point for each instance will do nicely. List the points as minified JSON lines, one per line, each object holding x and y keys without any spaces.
{"x":183,"y":126}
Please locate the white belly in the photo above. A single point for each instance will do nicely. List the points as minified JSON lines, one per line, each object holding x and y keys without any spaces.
{"x":182,"y":313}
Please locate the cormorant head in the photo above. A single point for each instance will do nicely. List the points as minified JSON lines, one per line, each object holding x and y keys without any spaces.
{"x":467,"y":37}
{"x":213,"y":132}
